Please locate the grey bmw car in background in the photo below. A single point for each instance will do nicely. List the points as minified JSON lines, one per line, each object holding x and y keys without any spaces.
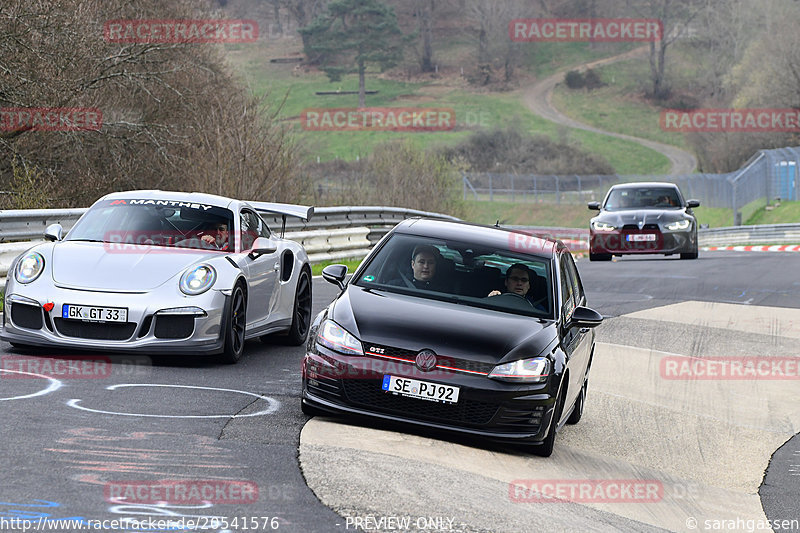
{"x":162,"y":272}
{"x":643,"y":218}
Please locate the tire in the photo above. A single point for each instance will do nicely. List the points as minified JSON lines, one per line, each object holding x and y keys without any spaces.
{"x":599,"y":257}
{"x":235,"y":324}
{"x":301,"y":313}
{"x":580,"y":403}
{"x":690,"y":255}
{"x":545,"y":449}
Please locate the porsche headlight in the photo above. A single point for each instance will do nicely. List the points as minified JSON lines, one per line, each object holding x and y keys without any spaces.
{"x":678,"y":225}
{"x":602,"y":226}
{"x":198,"y":280}
{"x":29,"y":267}
{"x":533,"y":370}
{"x":333,"y":336}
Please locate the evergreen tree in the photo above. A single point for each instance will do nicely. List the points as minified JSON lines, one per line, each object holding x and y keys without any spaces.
{"x":351,"y":35}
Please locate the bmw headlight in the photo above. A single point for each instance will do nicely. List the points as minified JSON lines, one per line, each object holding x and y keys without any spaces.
{"x":333,"y":336}
{"x":29,"y":267}
{"x":198,"y":280}
{"x":533,"y":370}
{"x":602,"y":226}
{"x":678,"y":225}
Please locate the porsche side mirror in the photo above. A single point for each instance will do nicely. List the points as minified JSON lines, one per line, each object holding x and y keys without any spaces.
{"x":335,"y":274}
{"x":262,"y":246}
{"x":594,"y":206}
{"x":692,"y":203}
{"x":54,"y":232}
{"x":583,"y":317}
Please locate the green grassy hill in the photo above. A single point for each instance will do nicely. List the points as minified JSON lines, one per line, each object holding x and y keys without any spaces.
{"x":294,"y":89}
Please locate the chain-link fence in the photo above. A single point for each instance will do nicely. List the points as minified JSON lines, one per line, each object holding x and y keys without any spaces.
{"x":768,"y":176}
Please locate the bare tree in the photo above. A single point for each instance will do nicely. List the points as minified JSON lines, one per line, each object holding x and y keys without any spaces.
{"x":495,"y":49}
{"x":676,"y":17}
{"x":425,"y":11}
{"x":161,"y":105}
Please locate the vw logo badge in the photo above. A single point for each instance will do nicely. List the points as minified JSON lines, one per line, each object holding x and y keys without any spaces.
{"x":426,"y":360}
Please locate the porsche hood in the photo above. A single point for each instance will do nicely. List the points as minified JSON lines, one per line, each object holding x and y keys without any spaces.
{"x":93,"y":265}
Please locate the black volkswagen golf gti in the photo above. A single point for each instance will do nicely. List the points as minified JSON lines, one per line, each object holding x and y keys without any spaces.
{"x":458,"y":327}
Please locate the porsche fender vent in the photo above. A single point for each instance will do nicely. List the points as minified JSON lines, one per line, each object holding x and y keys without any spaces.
{"x":26,"y":316}
{"x":174,"y":326}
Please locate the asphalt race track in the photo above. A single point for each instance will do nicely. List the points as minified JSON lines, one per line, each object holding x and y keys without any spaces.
{"x":716,"y":451}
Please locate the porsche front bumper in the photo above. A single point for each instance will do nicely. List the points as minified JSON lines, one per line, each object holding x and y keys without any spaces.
{"x":156,"y":322}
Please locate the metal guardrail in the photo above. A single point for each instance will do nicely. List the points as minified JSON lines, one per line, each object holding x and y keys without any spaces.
{"x":332,"y":233}
{"x":349,"y":232}
{"x":763,"y":234}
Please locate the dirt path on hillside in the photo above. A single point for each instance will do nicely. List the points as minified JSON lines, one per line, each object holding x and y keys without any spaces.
{"x":538,"y":98}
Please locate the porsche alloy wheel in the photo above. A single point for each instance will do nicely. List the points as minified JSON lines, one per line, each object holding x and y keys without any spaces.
{"x":235,"y":326}
{"x":301,"y":317}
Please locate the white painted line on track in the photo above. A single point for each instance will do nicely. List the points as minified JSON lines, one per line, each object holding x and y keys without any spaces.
{"x":273,"y":403}
{"x":54,"y":385}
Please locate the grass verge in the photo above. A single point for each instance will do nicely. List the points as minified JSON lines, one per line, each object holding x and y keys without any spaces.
{"x":351,"y":264}
{"x":785,"y":213}
{"x":577,"y":215}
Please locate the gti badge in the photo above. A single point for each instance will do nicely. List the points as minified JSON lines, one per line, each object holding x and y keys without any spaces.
{"x":426,"y":360}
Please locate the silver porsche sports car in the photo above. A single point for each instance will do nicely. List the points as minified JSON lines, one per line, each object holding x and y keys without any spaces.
{"x":162,"y":272}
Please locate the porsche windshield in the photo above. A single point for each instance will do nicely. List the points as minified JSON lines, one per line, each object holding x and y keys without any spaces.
{"x":643,"y":198}
{"x":155,"y":223}
{"x":461,"y":272}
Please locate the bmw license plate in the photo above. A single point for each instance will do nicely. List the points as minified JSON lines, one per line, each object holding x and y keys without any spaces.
{"x":94,"y":314}
{"x":642,"y":237}
{"x":424,"y":390}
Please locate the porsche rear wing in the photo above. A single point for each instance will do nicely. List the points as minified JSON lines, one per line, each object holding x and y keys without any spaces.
{"x":302,"y":212}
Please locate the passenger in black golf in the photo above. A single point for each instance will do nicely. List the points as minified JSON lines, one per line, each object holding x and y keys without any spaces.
{"x":518,"y":281}
{"x":424,"y":262}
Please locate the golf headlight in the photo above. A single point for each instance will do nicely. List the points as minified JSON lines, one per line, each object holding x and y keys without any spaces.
{"x":198,"y":280}
{"x":333,"y":336}
{"x":29,"y":267}
{"x":602,"y":226}
{"x":678,"y":225}
{"x":533,"y":370}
